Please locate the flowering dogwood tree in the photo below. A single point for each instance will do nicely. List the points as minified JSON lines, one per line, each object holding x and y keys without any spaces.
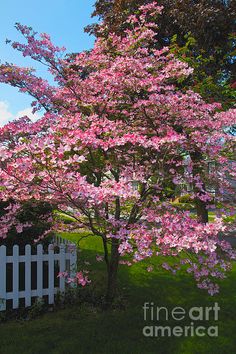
{"x":117,"y":132}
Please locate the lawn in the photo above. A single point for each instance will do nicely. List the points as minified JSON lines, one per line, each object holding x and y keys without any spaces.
{"x":87,"y":329}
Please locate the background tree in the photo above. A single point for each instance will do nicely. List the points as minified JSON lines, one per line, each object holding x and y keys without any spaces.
{"x":203,"y":30}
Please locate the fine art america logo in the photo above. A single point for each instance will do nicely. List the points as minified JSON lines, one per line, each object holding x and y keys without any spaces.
{"x":191,"y":318}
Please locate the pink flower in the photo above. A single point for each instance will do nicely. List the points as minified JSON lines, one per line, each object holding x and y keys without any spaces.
{"x":150,"y":268}
{"x":99,"y":258}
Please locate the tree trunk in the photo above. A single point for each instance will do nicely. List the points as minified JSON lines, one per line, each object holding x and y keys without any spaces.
{"x":201,"y":206}
{"x":202,"y":212}
{"x":112,"y":272}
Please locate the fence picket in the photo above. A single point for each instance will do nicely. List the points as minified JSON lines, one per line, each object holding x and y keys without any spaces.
{"x":27,"y":275}
{"x":2,"y":278}
{"x":51,"y":274}
{"x":40,"y":271}
{"x":15,"y":277}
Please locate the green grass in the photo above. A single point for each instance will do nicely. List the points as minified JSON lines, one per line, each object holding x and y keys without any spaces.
{"x":85,"y":329}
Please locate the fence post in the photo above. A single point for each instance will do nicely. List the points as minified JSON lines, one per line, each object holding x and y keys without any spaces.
{"x":15,"y":277}
{"x":3,"y":278}
{"x":27,"y":275}
{"x":73,"y":262}
{"x":62,"y":267}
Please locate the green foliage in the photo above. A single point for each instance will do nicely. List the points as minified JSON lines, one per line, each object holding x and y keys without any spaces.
{"x":213,"y":86}
{"x":37,"y":309}
{"x":186,"y":198}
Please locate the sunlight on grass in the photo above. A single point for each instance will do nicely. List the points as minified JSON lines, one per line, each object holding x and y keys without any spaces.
{"x":87,"y":329}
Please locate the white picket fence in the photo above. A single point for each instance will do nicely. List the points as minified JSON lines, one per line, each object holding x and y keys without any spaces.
{"x":67,"y":262}
{"x":58,"y":240}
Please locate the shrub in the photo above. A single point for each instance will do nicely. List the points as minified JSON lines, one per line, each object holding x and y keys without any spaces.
{"x":34,"y":212}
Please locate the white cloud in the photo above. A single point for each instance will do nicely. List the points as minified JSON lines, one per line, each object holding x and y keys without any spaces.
{"x":28,"y":112}
{"x":6,"y":115}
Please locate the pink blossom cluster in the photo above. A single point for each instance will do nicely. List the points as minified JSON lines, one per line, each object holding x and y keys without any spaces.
{"x":79,"y":279}
{"x":9,"y":220}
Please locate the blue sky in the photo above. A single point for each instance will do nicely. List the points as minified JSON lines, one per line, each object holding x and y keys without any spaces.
{"x":64,"y":20}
